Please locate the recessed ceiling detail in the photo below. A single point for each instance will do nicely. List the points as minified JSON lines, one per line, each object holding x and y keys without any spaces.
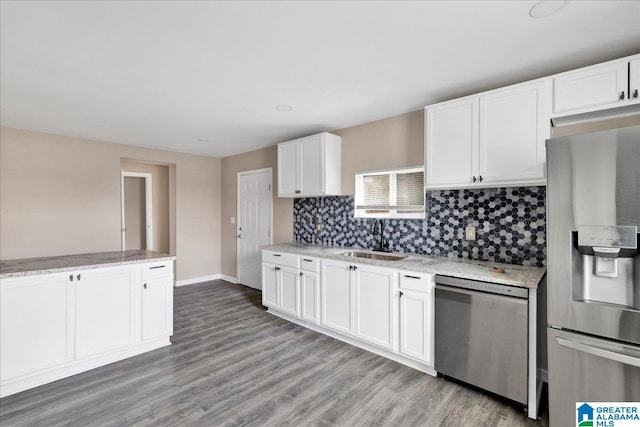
{"x":545,"y":8}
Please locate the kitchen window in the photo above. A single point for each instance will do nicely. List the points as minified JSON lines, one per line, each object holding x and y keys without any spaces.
{"x":397,"y":193}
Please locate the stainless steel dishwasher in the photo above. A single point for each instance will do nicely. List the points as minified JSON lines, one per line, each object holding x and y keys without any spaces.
{"x":481,"y":335}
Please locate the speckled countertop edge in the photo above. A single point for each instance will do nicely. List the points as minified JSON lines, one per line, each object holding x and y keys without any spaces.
{"x":514,"y":275}
{"x":58,"y":264}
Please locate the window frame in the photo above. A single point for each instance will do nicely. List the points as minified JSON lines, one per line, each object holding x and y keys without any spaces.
{"x":360,"y":210}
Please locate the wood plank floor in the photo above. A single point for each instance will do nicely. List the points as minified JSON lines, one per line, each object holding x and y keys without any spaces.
{"x":232,"y":363}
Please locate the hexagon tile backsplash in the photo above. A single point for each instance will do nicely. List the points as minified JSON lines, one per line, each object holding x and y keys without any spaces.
{"x":510,"y":225}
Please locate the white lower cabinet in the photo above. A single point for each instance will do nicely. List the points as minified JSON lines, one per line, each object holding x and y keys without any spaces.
{"x":157,"y":307}
{"x":269,"y":285}
{"x":56,"y":325}
{"x":289,"y":291}
{"x":375,"y":305}
{"x":387,"y":311}
{"x":36,"y":324}
{"x":416,"y":316}
{"x":309,"y":296}
{"x":337,"y":296}
{"x":281,"y":288}
{"x":107,"y":316}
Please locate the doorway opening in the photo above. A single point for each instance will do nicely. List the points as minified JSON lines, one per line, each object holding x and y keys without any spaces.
{"x":147,"y":206}
{"x":137,"y":211}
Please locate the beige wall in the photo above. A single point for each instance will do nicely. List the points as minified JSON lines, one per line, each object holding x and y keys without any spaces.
{"x":282,"y":208}
{"x":384,"y":144}
{"x":160,"y":200}
{"x":389,"y":143}
{"x":61,"y":195}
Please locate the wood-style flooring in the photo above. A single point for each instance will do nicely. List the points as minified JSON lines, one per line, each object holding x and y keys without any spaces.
{"x":232,"y":363}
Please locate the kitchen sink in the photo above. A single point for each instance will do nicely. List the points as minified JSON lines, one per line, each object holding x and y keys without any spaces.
{"x":379,"y":257}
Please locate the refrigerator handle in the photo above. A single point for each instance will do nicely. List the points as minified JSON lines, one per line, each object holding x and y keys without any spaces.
{"x":600,"y":352}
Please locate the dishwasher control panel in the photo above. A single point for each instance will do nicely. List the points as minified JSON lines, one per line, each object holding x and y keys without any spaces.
{"x":474,"y":285}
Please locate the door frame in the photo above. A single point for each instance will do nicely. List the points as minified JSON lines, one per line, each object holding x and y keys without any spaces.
{"x":148,"y":187}
{"x":244,"y":173}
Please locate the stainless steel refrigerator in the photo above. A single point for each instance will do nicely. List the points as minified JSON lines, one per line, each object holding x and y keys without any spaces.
{"x":593,"y":203}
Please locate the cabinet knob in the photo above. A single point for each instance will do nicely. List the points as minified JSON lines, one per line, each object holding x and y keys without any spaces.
{"x":401,"y":293}
{"x":355,"y":267}
{"x":78,"y":277}
{"x":474,"y":179}
{"x":301,"y":274}
{"x":481,"y":178}
{"x":144,"y":286}
{"x":621,"y":95}
{"x":71,"y":277}
{"x":277,"y":268}
{"x":635,"y":94}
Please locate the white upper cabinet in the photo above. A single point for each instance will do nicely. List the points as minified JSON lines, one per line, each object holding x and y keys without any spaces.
{"x":495,"y":138}
{"x":513,"y":127}
{"x":598,"y":87}
{"x":310,"y":166}
{"x":452,"y":140}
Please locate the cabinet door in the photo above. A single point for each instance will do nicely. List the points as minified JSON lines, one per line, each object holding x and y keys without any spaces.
{"x":374,"y":306}
{"x":107,"y":314}
{"x":157,"y":308}
{"x":289,"y":291}
{"x":591,"y":88}
{"x":336,"y":297}
{"x":309,"y":297}
{"x":451,"y":143}
{"x":287,"y":169}
{"x":415,"y":326}
{"x":269,"y":285}
{"x":514,"y":125}
{"x":36,"y":323}
{"x":312,"y":165}
{"x":634,"y":79}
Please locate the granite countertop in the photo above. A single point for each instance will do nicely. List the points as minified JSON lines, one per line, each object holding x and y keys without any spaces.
{"x":514,"y":275}
{"x":57,"y":264}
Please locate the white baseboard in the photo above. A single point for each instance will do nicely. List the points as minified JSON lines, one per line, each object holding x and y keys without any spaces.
{"x":197,"y":280}
{"x":229,"y":278}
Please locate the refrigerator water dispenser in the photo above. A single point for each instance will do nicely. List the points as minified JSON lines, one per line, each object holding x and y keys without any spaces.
{"x":606,"y":265}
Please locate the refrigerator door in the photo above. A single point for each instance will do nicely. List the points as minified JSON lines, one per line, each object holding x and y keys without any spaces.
{"x":593,"y":180}
{"x":587,"y":369}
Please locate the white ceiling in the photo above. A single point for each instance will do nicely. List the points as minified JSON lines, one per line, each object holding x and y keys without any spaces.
{"x":205,"y":77}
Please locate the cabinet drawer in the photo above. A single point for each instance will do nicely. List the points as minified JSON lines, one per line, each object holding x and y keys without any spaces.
{"x":309,"y":264}
{"x":287,"y":260}
{"x":157,"y":270}
{"x":419,"y":282}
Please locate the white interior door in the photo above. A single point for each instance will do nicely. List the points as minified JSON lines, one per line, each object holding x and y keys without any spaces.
{"x":254,"y":224}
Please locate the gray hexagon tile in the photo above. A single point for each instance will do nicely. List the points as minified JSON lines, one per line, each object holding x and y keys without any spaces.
{"x":510,"y":225}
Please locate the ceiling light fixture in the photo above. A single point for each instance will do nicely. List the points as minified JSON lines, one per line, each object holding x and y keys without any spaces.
{"x":545,"y":8}
{"x":284,"y":108}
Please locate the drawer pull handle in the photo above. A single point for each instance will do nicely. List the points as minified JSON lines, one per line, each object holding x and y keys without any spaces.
{"x":277,"y":255}
{"x":412,"y":277}
{"x":157,"y":266}
{"x":307,"y":260}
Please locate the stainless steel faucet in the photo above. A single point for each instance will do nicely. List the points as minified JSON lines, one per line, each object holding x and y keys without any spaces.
{"x":380,"y":244}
